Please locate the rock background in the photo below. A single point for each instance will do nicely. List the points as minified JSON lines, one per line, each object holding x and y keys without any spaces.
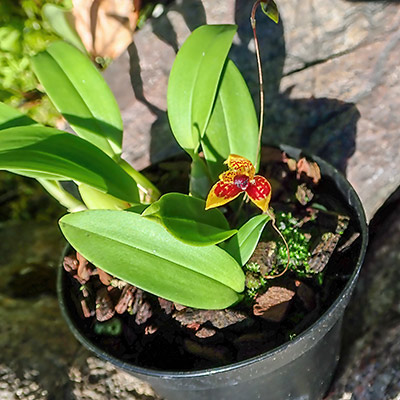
{"x":332,"y":74}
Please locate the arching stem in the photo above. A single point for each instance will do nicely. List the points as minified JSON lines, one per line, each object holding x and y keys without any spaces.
{"x":260,"y":78}
{"x":272,"y":216}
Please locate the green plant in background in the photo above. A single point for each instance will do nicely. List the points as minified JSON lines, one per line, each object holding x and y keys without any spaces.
{"x":171,"y":245}
{"x":23,"y":33}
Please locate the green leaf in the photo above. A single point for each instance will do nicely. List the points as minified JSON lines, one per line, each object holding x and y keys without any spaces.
{"x":270,"y":9}
{"x":193,"y":82}
{"x":10,"y":117}
{"x":81,"y":94}
{"x":41,"y":152}
{"x":96,"y":200}
{"x":61,"y":22}
{"x":141,"y":252}
{"x":242,"y":245}
{"x":185,"y":217}
{"x":200,"y":180}
{"x":233,"y":126}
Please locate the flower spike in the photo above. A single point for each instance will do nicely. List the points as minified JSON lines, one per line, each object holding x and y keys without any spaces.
{"x":240,"y":178}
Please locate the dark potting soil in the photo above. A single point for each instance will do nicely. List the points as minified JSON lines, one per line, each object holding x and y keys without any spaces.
{"x":144,"y":330}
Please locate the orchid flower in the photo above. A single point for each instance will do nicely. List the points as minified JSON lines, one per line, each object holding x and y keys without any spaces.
{"x":239,"y":178}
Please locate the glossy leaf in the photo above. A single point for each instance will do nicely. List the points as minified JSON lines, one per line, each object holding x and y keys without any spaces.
{"x":270,"y":9}
{"x":141,"y":252}
{"x":233,"y":126}
{"x":81,"y":94}
{"x":185,"y":217}
{"x":61,"y":21}
{"x":41,"y":152}
{"x":10,"y":117}
{"x":242,"y":245}
{"x":193,"y":82}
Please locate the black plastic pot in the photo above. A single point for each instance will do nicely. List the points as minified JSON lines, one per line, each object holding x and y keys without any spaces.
{"x":301,"y":369}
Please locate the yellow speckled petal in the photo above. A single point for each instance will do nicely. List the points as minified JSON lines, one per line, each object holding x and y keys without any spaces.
{"x":241,"y":165}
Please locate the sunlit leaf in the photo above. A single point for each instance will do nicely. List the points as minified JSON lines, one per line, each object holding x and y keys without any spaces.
{"x":41,"y":152}
{"x":185,"y":217}
{"x":233,"y":126}
{"x":242,"y":245}
{"x":61,"y":21}
{"x":194,"y":80}
{"x":270,"y":9}
{"x":81,"y":94}
{"x":141,"y":252}
{"x":10,"y":117}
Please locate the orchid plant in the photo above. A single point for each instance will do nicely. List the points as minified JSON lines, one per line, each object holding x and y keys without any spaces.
{"x":177,"y":246}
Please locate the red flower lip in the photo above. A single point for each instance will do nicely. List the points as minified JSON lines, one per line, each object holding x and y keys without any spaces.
{"x":240,"y":178}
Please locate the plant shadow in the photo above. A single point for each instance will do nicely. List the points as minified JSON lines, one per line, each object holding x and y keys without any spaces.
{"x":321,"y":126}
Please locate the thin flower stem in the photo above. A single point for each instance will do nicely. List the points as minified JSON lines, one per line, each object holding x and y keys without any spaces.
{"x":286,"y":244}
{"x":260,"y":78}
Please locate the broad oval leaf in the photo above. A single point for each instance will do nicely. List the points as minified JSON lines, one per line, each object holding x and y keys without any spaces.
{"x":61,"y":21}
{"x":233,"y":126}
{"x":10,"y":117}
{"x":141,"y":252}
{"x":41,"y":152}
{"x":81,"y":95}
{"x":194,"y":80}
{"x":185,"y":217}
{"x":242,"y":245}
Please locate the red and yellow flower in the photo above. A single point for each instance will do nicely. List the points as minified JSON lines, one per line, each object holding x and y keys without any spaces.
{"x":240,"y":178}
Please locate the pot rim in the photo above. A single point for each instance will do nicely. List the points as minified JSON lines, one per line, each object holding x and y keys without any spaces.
{"x":326,"y":320}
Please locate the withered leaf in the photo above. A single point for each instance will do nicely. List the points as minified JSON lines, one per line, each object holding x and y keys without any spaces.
{"x":106,"y":26}
{"x":310,"y":168}
{"x":273,"y":304}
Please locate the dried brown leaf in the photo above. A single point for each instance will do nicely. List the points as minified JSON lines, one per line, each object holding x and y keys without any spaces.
{"x":310,"y":168}
{"x":106,"y":26}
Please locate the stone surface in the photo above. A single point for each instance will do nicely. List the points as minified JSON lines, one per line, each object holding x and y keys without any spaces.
{"x":330,"y":71}
{"x":39,"y":357}
{"x":370,"y":365}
